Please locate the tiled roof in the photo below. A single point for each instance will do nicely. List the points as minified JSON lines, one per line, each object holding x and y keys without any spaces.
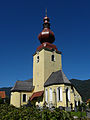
{"x":57,"y":77}
{"x":26,"y":85}
{"x":2,"y":94}
{"x":36,"y":94}
{"x":88,"y":100}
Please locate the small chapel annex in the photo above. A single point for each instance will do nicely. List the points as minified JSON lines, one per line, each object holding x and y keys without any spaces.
{"x":49,"y":81}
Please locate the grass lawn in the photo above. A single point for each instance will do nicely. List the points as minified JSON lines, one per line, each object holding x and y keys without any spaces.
{"x":78,"y":114}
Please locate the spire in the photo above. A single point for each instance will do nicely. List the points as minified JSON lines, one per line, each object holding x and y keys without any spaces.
{"x":46,"y":12}
{"x":46,"y":35}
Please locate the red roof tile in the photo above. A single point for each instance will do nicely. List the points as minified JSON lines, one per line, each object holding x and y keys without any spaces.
{"x":36,"y":94}
{"x":2,"y":94}
{"x":88,"y":100}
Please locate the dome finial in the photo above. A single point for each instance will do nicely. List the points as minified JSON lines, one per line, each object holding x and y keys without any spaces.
{"x":46,"y":35}
{"x":46,"y":12}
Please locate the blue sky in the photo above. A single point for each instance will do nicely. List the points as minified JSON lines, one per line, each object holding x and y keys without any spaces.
{"x":21,"y":22}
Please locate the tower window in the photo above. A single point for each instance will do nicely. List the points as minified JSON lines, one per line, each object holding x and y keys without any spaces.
{"x":24,"y":97}
{"x":52,"y":58}
{"x":37,"y":59}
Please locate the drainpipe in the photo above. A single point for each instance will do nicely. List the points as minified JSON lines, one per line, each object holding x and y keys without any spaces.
{"x":20,"y":99}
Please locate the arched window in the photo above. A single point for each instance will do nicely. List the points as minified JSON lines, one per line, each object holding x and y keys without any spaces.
{"x":24,"y":97}
{"x":68,"y":94}
{"x":52,"y":58}
{"x":59,"y":94}
{"x":46,"y":95}
{"x":50,"y":94}
{"x":37,"y":59}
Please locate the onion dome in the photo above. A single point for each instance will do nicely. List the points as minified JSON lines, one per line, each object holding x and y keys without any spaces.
{"x":46,"y":35}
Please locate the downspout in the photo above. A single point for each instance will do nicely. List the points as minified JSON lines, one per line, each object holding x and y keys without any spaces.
{"x":20,"y":99}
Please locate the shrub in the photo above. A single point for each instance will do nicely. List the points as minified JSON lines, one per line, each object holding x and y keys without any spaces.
{"x":9,"y":112}
{"x":89,"y":104}
{"x":1,"y":100}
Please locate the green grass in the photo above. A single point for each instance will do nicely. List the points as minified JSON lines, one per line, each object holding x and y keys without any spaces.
{"x":78,"y":114}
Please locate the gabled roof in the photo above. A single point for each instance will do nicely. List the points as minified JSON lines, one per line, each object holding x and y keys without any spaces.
{"x":57,"y":77}
{"x":36,"y":94}
{"x":26,"y":85}
{"x":2,"y":94}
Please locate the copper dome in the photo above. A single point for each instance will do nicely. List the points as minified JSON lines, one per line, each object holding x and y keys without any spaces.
{"x":46,"y":35}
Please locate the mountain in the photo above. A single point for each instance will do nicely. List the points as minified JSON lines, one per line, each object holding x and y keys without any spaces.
{"x":7,"y":90}
{"x":83,"y":87}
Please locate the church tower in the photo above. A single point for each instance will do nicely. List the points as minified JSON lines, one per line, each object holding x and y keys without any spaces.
{"x":47,"y":58}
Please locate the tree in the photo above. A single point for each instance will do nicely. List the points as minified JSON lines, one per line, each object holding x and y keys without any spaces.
{"x":89,"y":104}
{"x":1,"y":100}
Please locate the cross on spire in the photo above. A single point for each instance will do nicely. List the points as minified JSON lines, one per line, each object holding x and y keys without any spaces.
{"x":46,"y":12}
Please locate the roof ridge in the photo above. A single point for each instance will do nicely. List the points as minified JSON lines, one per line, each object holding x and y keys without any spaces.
{"x":65,"y":77}
{"x":62,"y":75}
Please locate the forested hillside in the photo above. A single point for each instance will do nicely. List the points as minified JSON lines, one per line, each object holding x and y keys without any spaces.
{"x":83,"y":86}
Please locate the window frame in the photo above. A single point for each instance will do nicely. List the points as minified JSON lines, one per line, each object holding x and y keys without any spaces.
{"x":24,"y":98}
{"x":53,"y":58}
{"x":46,"y":95}
{"x":38,"y":59}
{"x":50,"y":95}
{"x":69,"y":96}
{"x":59,"y":94}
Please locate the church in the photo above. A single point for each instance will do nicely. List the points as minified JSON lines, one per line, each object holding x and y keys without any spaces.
{"x":49,"y":81}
